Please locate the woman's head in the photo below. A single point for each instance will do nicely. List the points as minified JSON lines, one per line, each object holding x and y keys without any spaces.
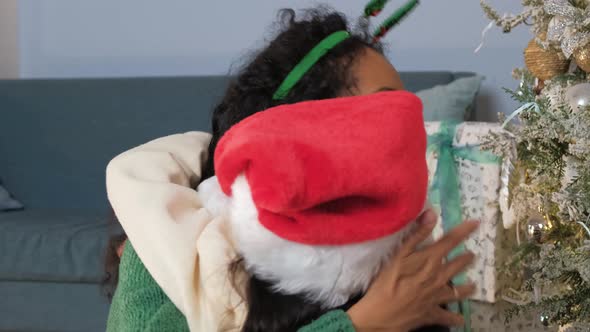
{"x":353,"y":67}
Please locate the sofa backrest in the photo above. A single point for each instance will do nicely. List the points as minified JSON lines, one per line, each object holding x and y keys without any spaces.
{"x":57,"y":135}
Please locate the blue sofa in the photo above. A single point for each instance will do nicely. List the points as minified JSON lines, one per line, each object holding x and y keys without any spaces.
{"x":56,"y":138}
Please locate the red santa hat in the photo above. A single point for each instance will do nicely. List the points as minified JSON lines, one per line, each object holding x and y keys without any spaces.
{"x":323,"y":191}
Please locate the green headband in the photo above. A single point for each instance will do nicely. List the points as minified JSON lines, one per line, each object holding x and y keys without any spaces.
{"x":308,"y":61}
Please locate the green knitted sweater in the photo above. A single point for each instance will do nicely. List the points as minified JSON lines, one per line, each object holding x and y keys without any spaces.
{"x":140,"y":304}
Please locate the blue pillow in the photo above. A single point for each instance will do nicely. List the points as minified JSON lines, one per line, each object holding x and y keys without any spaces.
{"x":8,"y":203}
{"x":453,"y":101}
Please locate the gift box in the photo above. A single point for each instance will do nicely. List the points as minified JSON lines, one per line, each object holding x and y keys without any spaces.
{"x":464,"y":185}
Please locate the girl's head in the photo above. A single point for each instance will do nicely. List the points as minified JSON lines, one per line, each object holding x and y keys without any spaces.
{"x":353,"y":67}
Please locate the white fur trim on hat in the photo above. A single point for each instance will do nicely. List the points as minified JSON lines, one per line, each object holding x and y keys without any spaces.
{"x":328,"y":275}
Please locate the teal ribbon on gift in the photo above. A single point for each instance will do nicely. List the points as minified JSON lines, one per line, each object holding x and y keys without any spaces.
{"x":444,"y":188}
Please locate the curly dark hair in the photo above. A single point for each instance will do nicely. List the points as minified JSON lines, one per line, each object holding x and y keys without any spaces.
{"x":251,"y":91}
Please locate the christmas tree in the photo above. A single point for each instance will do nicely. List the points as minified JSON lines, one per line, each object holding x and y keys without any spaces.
{"x":547,"y":162}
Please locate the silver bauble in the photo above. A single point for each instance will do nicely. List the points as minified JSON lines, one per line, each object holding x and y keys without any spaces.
{"x":578,"y":96}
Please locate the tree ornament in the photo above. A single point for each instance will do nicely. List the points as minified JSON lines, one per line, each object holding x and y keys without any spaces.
{"x":582,"y":57}
{"x":569,"y":25}
{"x":537,"y":229}
{"x":578,"y":96}
{"x":544,"y":64}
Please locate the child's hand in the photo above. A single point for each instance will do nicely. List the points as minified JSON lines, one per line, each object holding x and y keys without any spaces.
{"x":409,"y":291}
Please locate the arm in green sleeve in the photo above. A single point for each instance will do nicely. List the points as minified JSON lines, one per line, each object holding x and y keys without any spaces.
{"x":139,"y":304}
{"x":333,"y":321}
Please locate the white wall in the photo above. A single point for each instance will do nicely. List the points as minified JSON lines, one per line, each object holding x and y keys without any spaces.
{"x":9,"y":50}
{"x":78,"y":38}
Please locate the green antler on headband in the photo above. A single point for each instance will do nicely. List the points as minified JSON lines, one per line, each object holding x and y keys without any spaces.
{"x":374,"y":7}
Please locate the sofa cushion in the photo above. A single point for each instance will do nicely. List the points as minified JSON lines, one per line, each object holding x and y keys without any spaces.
{"x":454,"y":101}
{"x":52,"y":245}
